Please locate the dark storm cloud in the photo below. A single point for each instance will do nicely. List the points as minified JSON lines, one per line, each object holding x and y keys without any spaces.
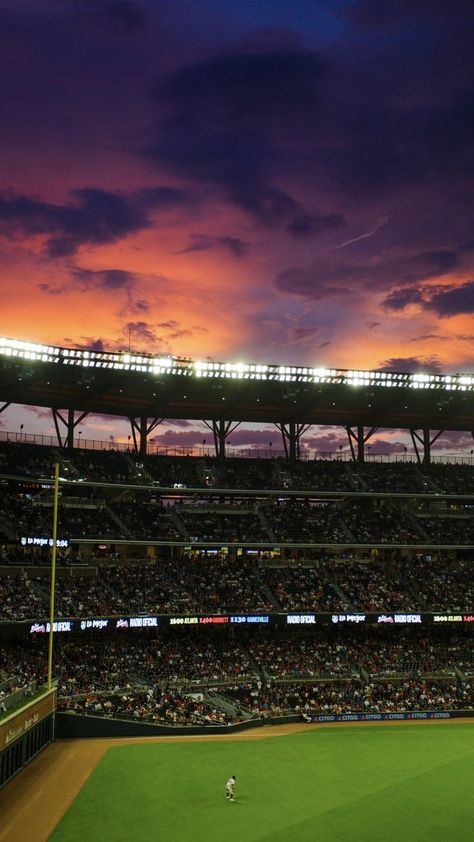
{"x":411,"y":365}
{"x":308,"y":283}
{"x":85,"y":280}
{"x":140,"y":331}
{"x":363,"y":123}
{"x":107,"y":279}
{"x":312,"y":224}
{"x":113,"y":17}
{"x":410,"y":118}
{"x":221,"y":121}
{"x":376,"y":13}
{"x":164,"y":198}
{"x":424,"y":337}
{"x":445,"y":300}
{"x":93,"y":217}
{"x":454,"y":301}
{"x":172,"y":324}
{"x":399,"y":299}
{"x":274,"y":207}
{"x":172,"y":330}
{"x":387,"y":145}
{"x":325,"y":279}
{"x":91,"y":344}
{"x":299,"y":334}
{"x":270,"y":206}
{"x":244,"y":89}
{"x":140,"y":306}
{"x":234,"y":245}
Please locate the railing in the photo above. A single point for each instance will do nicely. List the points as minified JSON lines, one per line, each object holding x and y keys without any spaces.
{"x":14,"y":699}
{"x":205,"y":451}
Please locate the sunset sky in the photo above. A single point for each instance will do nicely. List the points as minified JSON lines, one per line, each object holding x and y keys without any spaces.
{"x":261,"y":181}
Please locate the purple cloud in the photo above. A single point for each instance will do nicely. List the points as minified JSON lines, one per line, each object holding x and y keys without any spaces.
{"x":112,"y":17}
{"x":85,"y":280}
{"x":324,"y":277}
{"x":234,"y":245}
{"x":93,"y":217}
{"x":402,"y":298}
{"x":445,"y":301}
{"x":454,"y":301}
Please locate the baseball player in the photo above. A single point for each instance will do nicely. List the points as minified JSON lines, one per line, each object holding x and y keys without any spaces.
{"x":230,"y":788}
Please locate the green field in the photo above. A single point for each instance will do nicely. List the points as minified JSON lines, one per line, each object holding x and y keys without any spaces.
{"x":341,"y":784}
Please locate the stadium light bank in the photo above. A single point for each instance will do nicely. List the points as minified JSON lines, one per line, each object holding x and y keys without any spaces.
{"x":172,"y":365}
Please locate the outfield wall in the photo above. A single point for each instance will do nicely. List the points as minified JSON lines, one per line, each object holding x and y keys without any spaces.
{"x":77,"y":726}
{"x":73,"y":725}
{"x":25,"y":733}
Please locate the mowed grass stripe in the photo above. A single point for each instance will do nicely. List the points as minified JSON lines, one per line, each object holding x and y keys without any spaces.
{"x":324,"y":784}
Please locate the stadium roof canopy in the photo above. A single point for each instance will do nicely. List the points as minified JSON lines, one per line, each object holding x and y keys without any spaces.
{"x":142,"y":385}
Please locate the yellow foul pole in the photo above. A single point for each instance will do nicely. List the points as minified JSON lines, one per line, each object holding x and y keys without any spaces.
{"x":53,"y":572}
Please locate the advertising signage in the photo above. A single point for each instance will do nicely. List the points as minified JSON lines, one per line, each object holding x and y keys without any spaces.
{"x":41,"y":541}
{"x":385,"y":717}
{"x":111,"y":624}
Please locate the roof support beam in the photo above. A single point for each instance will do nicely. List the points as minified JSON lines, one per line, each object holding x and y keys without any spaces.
{"x":141,"y":429}
{"x":70,"y":423}
{"x":221,"y":431}
{"x":426,"y":443}
{"x":291,"y":434}
{"x":360,"y":438}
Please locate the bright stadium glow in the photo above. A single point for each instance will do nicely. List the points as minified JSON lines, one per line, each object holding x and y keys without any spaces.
{"x":170,"y":365}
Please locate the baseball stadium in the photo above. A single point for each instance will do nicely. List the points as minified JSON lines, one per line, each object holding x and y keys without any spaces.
{"x":171,"y":619}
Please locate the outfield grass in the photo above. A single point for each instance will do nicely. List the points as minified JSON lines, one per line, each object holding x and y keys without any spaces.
{"x":406,"y":783}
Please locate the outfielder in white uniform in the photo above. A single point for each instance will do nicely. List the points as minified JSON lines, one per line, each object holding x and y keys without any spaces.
{"x":230,"y":788}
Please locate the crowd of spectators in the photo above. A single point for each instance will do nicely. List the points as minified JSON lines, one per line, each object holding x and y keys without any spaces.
{"x":202,"y":583}
{"x":301,"y":656}
{"x":407,"y":585}
{"x":298,"y":655}
{"x":302,"y":588}
{"x":88,"y":666}
{"x":160,"y":708}
{"x":452,"y":479}
{"x":21,"y":597}
{"x":305,"y":521}
{"x":395,"y":478}
{"x":414,"y":655}
{"x":82,"y":596}
{"x":142,"y":515}
{"x":319,"y":474}
{"x":167,"y":676}
{"x":115,"y":662}
{"x":233,"y":522}
{"x":243,"y":473}
{"x":270,"y":674}
{"x":449,"y":529}
{"x":356,"y":696}
{"x":383,"y":521}
{"x":190,"y":584}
